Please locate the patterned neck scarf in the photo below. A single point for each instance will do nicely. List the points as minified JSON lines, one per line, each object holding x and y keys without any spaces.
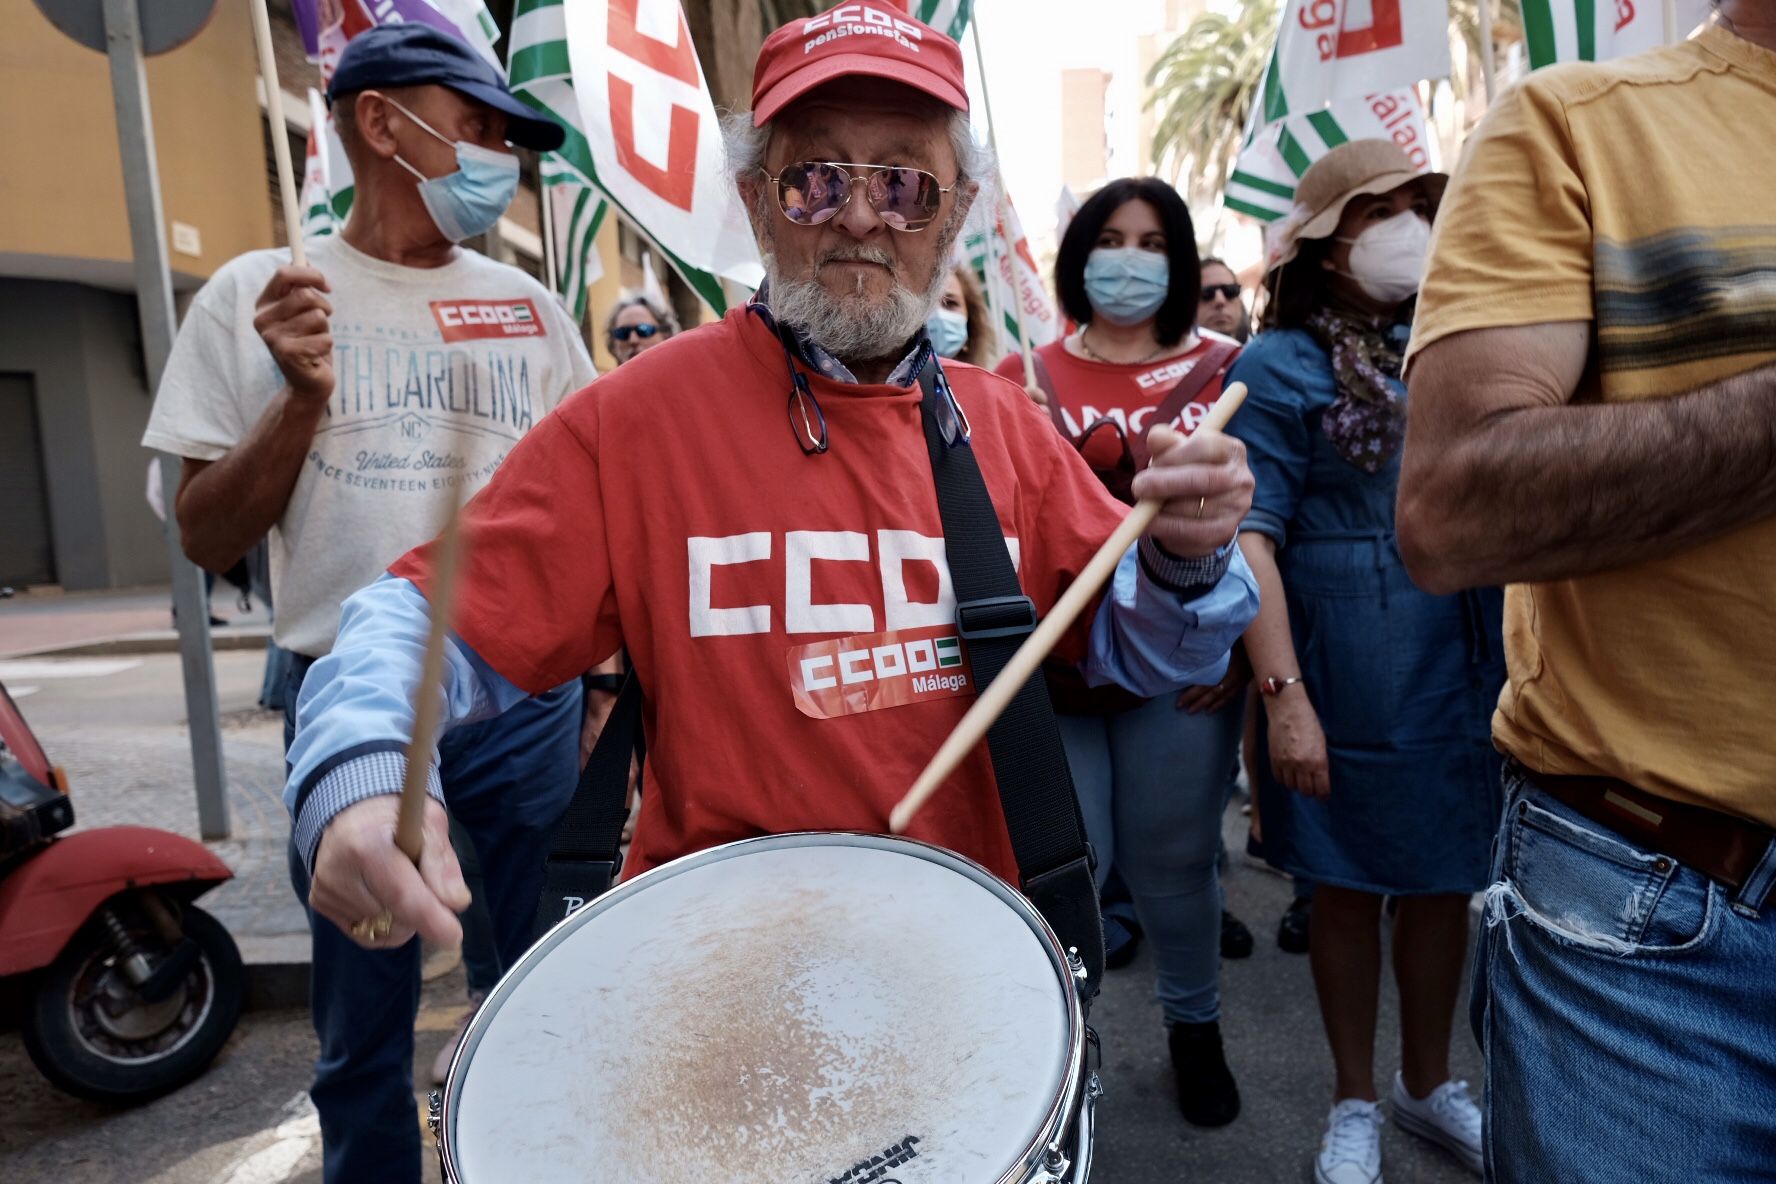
{"x":1367,"y":422}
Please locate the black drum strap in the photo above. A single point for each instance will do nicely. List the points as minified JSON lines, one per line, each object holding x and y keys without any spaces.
{"x":585,"y":850}
{"x":994,"y":616}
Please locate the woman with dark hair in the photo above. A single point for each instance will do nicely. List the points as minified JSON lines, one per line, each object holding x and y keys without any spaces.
{"x":1151,"y":774}
{"x":961,"y":326}
{"x":1376,"y":772}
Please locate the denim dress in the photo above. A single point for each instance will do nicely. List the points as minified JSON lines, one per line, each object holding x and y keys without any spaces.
{"x":1405,"y":683}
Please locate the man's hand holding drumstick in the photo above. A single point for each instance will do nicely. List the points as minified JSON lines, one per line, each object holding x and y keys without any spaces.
{"x":1193,"y":496}
{"x":385,"y":869}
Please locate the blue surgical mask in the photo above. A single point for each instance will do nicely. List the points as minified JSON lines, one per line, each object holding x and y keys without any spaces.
{"x":1126,"y":285}
{"x":470,"y":200}
{"x":948,"y":331}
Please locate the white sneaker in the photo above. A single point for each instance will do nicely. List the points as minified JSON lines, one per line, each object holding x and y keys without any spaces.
{"x":1448,"y":1118}
{"x":1350,"y":1153}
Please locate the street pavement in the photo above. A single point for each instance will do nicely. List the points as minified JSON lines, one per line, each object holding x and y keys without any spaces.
{"x":118,"y":729}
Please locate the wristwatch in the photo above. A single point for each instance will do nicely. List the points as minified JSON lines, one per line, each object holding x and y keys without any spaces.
{"x":1274,"y":686}
{"x":610,"y":684}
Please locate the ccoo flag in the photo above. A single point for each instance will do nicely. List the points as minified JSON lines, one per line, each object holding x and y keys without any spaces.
{"x":1345,"y":49}
{"x":1598,"y":30}
{"x":623,"y":77}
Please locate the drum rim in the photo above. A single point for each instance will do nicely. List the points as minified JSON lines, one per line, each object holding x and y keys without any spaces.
{"x":1063,"y":1111}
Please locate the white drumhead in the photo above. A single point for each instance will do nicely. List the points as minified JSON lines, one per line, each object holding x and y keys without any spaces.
{"x":783,"y":1014}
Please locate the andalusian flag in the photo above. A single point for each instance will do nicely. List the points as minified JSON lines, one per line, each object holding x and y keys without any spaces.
{"x":644,"y":134}
{"x":1263,"y":180}
{"x":1598,"y":30}
{"x":326,"y":174}
{"x":578,"y":213}
{"x":946,"y":16}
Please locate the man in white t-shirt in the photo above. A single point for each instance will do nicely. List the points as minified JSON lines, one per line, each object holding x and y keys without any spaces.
{"x":345,"y":407}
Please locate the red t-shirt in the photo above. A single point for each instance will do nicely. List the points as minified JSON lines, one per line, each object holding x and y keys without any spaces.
{"x":1129,"y":394}
{"x":790,"y":616}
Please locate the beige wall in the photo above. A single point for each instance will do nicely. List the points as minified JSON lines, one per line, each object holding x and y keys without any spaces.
{"x":1084,"y":149}
{"x":62,"y":209}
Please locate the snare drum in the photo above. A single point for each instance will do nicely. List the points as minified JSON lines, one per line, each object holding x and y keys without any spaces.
{"x":799,"y":1009}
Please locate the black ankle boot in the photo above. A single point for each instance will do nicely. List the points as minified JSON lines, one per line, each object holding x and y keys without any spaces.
{"x":1207,"y":1093}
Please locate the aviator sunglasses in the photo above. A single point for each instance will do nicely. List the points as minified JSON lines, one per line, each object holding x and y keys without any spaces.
{"x":625,"y":332}
{"x":810,"y":192}
{"x":1230,"y":291}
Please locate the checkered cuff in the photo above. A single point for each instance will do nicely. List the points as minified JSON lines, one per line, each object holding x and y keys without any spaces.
{"x":347,"y":783}
{"x":1188,"y":578}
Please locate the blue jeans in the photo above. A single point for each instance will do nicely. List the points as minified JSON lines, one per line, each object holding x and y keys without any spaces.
{"x":1152,"y":785}
{"x":1627,"y":1008}
{"x":507,"y":781}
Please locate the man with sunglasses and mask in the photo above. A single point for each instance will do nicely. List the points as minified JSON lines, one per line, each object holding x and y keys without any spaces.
{"x":345,"y":407}
{"x":750,"y":510}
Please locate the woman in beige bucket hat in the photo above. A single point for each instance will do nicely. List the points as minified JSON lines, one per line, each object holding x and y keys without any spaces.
{"x":1376,"y":775}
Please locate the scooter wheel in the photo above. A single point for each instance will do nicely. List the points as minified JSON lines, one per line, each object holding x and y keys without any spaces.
{"x":92,"y":1034}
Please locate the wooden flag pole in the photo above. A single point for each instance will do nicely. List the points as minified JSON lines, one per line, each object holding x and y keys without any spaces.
{"x":1024,"y":663}
{"x":428,"y":699}
{"x":280,"y":132}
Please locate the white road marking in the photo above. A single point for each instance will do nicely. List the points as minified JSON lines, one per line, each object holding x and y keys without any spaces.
{"x":22,"y":692}
{"x":65,"y":667}
{"x":298,"y":1132}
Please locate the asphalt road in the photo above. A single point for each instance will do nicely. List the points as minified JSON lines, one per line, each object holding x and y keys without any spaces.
{"x":246,"y":1121}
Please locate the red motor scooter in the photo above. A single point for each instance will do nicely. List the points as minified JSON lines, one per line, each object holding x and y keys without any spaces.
{"x":130,"y":988}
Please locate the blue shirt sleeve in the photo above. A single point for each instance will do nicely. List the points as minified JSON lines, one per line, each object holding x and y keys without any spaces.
{"x":1273,"y":426}
{"x":355,"y":712}
{"x":1149,"y":640}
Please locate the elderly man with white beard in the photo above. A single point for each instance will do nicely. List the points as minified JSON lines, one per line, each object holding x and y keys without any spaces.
{"x":751,"y":506}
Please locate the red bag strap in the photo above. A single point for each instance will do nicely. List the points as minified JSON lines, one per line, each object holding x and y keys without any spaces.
{"x":1207,"y":368}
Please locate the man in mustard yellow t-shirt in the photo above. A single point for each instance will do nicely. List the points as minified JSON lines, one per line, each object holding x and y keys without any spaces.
{"x":1593,"y":422}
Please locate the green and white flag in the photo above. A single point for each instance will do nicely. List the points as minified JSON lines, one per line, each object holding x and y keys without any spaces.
{"x":1346,"y":49}
{"x":998,"y":251}
{"x":326,"y":176}
{"x":946,"y":16}
{"x":1264,"y":177}
{"x":641,"y":128}
{"x":577,"y":211}
{"x":1598,"y":30}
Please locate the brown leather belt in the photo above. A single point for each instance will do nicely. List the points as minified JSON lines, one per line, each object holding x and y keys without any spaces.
{"x":1720,"y":846}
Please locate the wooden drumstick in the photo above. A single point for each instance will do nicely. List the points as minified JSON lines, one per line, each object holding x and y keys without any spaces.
{"x":1024,"y":663}
{"x":428,"y":699}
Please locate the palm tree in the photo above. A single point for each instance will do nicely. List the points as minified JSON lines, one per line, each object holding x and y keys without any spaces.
{"x":1202,"y":88}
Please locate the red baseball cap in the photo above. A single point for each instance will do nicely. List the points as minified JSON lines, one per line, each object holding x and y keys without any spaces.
{"x":879,"y":39}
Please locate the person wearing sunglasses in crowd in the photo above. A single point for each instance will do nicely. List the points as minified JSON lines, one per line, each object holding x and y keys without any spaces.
{"x":637,"y":323}
{"x":1223,"y":307}
{"x":676,"y":509}
{"x":1376,"y":772}
{"x":961,"y":326}
{"x":1152,"y":771}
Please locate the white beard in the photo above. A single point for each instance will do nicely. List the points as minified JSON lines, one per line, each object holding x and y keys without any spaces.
{"x":846,"y":326}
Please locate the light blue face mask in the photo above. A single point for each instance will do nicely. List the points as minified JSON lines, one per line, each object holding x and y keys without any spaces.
{"x":470,"y":200}
{"x":948,"y":331}
{"x":1126,"y":285}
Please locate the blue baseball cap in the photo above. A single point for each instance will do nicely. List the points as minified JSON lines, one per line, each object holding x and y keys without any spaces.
{"x":410,"y":53}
